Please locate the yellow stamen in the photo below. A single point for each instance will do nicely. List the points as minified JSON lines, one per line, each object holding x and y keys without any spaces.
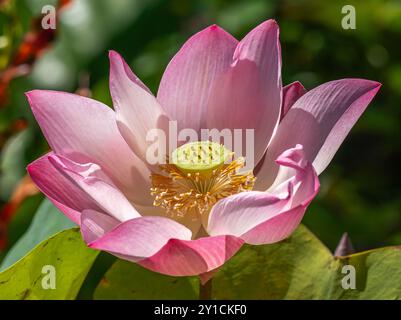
{"x":184,"y":187}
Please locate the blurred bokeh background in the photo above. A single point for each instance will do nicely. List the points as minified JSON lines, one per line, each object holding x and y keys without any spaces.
{"x":361,"y":189}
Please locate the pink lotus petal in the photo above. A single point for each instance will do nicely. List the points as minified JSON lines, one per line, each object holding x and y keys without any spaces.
{"x":232,"y":215}
{"x":190,"y":76}
{"x":85,"y":130}
{"x":103,"y":193}
{"x":291,"y":93}
{"x":320,"y":120}
{"x":248,"y":95}
{"x":64,"y":194}
{"x":190,"y":220}
{"x":267,"y":217}
{"x":137,"y":109}
{"x":276,"y":228}
{"x":141,"y":237}
{"x":187,"y":258}
{"x":157,"y":243}
{"x":95,"y":225}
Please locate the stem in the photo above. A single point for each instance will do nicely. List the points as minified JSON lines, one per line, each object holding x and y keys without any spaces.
{"x":205,"y":290}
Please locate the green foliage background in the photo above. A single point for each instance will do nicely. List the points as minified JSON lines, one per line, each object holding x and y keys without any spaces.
{"x":361,"y":191}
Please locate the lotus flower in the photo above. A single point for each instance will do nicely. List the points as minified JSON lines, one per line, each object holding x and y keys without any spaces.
{"x":98,"y":176}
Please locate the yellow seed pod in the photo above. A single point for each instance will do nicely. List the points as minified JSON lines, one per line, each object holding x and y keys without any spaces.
{"x":200,"y":156}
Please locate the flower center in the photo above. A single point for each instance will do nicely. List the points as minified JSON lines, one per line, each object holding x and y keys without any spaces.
{"x":198,"y":175}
